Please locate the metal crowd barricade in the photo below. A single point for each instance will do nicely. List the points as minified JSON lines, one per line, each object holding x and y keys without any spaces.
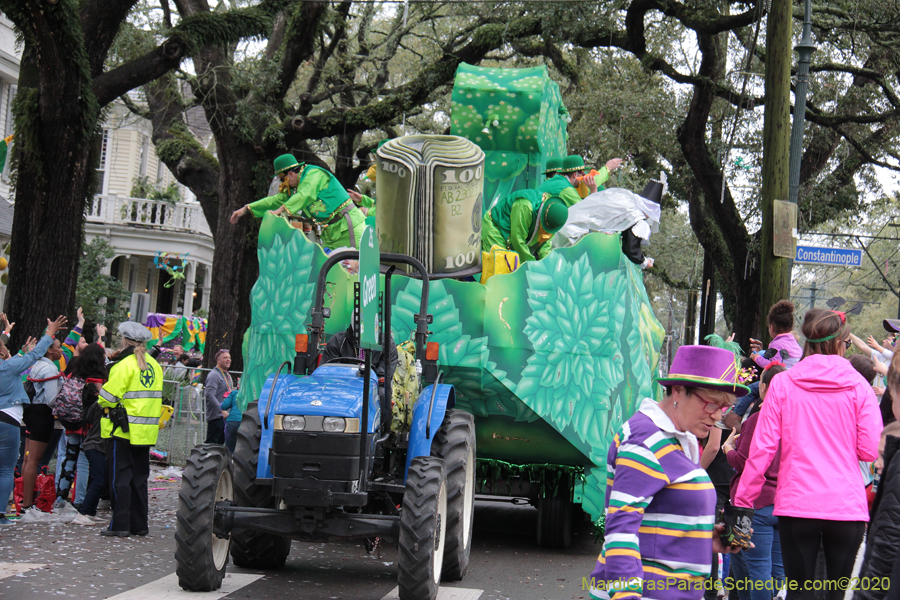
{"x":187,"y":426}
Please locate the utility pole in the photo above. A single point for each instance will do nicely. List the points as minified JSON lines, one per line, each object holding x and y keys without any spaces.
{"x":708,"y":299}
{"x":775,"y":272}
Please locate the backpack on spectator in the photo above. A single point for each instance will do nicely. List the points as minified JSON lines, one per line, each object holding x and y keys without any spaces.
{"x":68,"y":406}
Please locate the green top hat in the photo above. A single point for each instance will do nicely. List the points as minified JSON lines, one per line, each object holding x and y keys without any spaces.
{"x":554,"y":215}
{"x":572,"y":164}
{"x":285,"y":162}
{"x":553,"y":166}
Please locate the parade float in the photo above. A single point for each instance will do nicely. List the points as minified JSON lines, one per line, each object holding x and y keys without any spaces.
{"x":550,"y":359}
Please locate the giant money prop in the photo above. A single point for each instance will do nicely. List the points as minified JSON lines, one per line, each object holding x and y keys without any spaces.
{"x":551,"y":359}
{"x":429,"y":201}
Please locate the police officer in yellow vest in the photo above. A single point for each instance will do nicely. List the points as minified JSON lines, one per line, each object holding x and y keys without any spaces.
{"x":313,"y":195}
{"x":132,"y":403}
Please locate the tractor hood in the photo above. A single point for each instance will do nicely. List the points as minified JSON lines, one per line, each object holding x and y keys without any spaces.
{"x":333,"y":390}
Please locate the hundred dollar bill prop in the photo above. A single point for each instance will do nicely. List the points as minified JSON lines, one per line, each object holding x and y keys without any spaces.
{"x":429,"y":190}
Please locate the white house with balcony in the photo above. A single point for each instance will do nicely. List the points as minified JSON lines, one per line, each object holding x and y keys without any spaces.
{"x":146,"y":233}
{"x":140,"y":230}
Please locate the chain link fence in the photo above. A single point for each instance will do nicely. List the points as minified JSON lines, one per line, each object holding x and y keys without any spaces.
{"x":186,"y":427}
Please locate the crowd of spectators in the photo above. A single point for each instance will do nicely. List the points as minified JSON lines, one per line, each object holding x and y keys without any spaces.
{"x":56,"y":396}
{"x":809,"y":453}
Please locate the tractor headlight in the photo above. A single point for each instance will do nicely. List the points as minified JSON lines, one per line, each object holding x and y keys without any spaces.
{"x":334,"y":425}
{"x":293,"y":423}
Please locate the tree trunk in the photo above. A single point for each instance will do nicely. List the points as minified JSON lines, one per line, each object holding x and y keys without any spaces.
{"x":55,"y":151}
{"x":235,"y":263}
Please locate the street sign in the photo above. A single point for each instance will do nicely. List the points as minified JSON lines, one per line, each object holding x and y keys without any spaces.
{"x":369,"y":269}
{"x":836,"y":257}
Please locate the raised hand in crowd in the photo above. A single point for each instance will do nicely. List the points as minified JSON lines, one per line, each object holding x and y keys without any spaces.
{"x":4,"y":321}
{"x":29,"y":345}
{"x":53,"y":327}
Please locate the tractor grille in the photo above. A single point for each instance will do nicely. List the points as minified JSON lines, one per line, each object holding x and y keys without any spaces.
{"x":325,"y":456}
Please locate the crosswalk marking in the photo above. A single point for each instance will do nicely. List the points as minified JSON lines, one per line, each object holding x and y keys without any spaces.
{"x":443,"y":594}
{"x":10,"y":569}
{"x":167,"y":588}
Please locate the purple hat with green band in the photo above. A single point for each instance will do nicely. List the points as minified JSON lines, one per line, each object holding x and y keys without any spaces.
{"x":705,"y":367}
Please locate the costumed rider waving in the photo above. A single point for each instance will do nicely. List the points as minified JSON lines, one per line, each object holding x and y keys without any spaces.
{"x":570,"y":182}
{"x":131,"y":401}
{"x":313,"y":196}
{"x":524,"y":222}
{"x":617,"y":210}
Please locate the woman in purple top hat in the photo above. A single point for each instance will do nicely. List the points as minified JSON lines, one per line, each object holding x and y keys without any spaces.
{"x":660,"y":505}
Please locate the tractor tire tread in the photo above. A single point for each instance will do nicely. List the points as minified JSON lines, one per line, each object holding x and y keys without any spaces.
{"x":417,"y":526}
{"x":456,"y":431}
{"x":194,"y":519}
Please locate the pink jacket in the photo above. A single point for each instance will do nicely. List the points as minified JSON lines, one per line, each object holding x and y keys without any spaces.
{"x":826,"y":419}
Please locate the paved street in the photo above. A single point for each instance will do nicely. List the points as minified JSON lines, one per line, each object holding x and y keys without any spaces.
{"x":52,"y":560}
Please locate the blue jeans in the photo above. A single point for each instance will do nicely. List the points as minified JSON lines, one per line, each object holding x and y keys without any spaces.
{"x":81,"y":467}
{"x":9,"y":452}
{"x":97,"y":461}
{"x":762,"y":563}
{"x":231,"y":429}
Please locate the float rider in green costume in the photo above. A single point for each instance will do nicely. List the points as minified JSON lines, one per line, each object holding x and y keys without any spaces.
{"x":566,"y":182}
{"x":368,"y":202}
{"x":524,"y":222}
{"x":553,"y":165}
{"x":313,"y":196}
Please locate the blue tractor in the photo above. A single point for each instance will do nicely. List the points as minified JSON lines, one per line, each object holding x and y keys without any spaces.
{"x":321,"y":457}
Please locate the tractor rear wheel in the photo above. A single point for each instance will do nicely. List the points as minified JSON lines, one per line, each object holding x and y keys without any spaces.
{"x":423,"y":528}
{"x":455,"y":444}
{"x":201,"y":555}
{"x":254,"y":549}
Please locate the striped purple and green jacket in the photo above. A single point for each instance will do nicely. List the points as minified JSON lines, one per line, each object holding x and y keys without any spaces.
{"x":660,"y":513}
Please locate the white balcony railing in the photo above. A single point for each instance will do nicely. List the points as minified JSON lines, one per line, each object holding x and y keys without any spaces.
{"x":140,"y":212}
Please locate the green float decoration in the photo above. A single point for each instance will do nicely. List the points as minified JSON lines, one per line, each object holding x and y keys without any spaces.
{"x":517,"y":117}
{"x":550,"y":359}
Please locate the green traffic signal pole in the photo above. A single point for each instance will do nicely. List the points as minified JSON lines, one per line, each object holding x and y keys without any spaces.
{"x":775,"y":272}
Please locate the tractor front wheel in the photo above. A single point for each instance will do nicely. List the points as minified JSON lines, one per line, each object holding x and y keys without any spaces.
{"x":455,"y":444}
{"x":423,"y":528}
{"x":200,"y":554}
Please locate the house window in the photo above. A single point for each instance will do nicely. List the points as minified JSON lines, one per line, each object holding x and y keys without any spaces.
{"x":149,"y":287}
{"x":102,"y":171}
{"x":145,"y":155}
{"x":8,"y":127}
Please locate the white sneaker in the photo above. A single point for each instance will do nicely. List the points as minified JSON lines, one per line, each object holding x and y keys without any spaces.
{"x":98,"y":520}
{"x":84,"y":520}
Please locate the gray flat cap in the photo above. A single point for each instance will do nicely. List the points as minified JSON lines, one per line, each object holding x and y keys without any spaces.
{"x":134,"y":331}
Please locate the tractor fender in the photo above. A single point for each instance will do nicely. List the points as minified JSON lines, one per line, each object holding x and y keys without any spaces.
{"x":421,"y":436}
